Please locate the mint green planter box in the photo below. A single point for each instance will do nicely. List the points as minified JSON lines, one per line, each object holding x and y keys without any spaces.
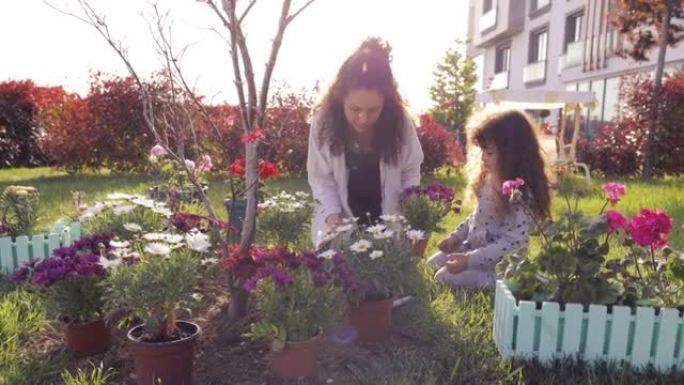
{"x":15,"y":251}
{"x":522,"y":331}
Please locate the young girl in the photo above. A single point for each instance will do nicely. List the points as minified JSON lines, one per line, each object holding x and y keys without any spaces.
{"x":509,"y":150}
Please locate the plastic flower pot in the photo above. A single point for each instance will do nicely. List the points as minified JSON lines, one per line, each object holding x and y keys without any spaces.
{"x":297,"y":359}
{"x":372,"y":320}
{"x":168,"y":363}
{"x":89,"y":338}
{"x":420,"y":245}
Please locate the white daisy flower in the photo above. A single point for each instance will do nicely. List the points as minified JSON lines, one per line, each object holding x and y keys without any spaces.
{"x":344,"y":228}
{"x":329,"y":254}
{"x":163,"y":211}
{"x":209,"y":261}
{"x":125,"y":209}
{"x":386,"y":234}
{"x":173,"y":238}
{"x":377,"y":229}
{"x":197,"y":241}
{"x":109,"y":263}
{"x":301,"y":194}
{"x":155,"y":236}
{"x":132,"y":227}
{"x":375,"y":254}
{"x":118,"y":196}
{"x":119,"y":244}
{"x":415,"y":235}
{"x":361,"y":246}
{"x":157,"y":248}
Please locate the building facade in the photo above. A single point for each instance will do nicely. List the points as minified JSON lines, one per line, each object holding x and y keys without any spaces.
{"x":555,"y":45}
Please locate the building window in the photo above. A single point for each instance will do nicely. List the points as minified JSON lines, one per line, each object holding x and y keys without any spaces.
{"x":538,"y":45}
{"x":502,"y":59}
{"x":487,"y":5}
{"x":573,"y":28}
{"x":539,"y":4}
{"x":611,"y":103}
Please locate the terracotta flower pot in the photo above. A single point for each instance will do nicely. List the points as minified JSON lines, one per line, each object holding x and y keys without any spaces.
{"x":419,"y":246}
{"x":297,"y":359}
{"x":168,"y":363}
{"x":89,"y":338}
{"x":372,"y":320}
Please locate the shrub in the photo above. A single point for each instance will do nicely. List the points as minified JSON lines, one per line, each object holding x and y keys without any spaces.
{"x":18,"y":210}
{"x":18,"y":129}
{"x":619,"y":147}
{"x":440,"y":147}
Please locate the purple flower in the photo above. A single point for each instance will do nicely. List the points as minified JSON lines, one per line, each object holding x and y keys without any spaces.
{"x":614,"y":190}
{"x":281,"y":278}
{"x":250,"y":284}
{"x":158,"y":151}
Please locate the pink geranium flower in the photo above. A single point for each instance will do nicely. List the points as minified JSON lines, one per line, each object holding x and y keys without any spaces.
{"x":650,"y":228}
{"x":615,"y":220}
{"x":614,"y":190}
{"x":509,"y":186}
{"x":158,"y":151}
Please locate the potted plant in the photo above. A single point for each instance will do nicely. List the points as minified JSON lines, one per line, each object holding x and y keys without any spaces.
{"x":124,"y":215}
{"x":283,"y":219}
{"x":71,"y":284}
{"x":424,"y":208}
{"x":153,"y":287}
{"x":236,"y":205}
{"x":177,"y":186}
{"x":297,"y":296}
{"x":572,"y":282}
{"x":18,"y":210}
{"x":381,"y":258}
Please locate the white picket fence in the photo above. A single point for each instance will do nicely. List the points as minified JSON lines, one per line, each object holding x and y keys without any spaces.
{"x":639,"y":337}
{"x":15,"y":251}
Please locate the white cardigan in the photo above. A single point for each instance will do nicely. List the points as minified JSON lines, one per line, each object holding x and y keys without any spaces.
{"x":328,"y":176}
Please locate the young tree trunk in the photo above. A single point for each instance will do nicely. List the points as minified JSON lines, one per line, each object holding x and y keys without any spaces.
{"x":657,"y":87}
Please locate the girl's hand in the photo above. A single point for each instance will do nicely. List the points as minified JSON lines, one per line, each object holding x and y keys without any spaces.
{"x":457,"y":263}
{"x":447,"y":245}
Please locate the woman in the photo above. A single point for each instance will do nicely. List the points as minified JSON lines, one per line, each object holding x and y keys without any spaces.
{"x":363,"y":147}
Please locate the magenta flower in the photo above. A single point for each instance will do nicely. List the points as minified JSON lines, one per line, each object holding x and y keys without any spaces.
{"x":158,"y":151}
{"x":614,"y":190}
{"x":509,"y":186}
{"x":650,"y":228}
{"x":615,"y":220}
{"x":205,"y":164}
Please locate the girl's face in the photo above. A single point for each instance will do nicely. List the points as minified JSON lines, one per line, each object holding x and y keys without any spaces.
{"x":490,"y":157}
{"x":362,"y":108}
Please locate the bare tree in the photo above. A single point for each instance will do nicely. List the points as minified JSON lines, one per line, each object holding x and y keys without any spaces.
{"x":174,"y":115}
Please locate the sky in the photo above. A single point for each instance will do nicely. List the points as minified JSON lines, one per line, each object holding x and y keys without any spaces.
{"x":51,"y":48}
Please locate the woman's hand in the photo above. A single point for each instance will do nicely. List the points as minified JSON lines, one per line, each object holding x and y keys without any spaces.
{"x":447,"y":245}
{"x":333,"y":220}
{"x":457,"y":263}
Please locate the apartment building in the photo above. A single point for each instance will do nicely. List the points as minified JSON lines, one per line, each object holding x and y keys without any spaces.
{"x":555,"y":45}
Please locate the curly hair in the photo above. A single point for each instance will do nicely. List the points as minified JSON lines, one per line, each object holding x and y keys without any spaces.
{"x":367,"y":68}
{"x":519,"y":155}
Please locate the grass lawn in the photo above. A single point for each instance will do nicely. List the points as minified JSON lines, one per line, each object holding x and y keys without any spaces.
{"x":443,"y":337}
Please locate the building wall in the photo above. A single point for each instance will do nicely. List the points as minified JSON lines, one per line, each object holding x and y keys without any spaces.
{"x":598,"y":69}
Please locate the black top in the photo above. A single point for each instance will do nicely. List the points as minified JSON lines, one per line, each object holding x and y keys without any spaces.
{"x":363,"y":186}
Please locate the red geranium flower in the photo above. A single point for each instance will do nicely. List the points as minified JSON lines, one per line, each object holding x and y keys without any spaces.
{"x":268,"y":169}
{"x":237,"y":168}
{"x":255,"y":135}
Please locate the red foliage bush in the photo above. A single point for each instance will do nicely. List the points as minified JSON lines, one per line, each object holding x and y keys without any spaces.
{"x":18,"y":129}
{"x":287,"y":127}
{"x":619,"y":147}
{"x":440,"y":147}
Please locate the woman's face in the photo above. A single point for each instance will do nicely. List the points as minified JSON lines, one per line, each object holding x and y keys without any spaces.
{"x":362,"y":108}
{"x":490,"y":157}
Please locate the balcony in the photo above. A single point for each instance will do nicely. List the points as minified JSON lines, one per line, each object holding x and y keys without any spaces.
{"x":573,"y":55}
{"x":534,"y":72}
{"x":488,"y":20}
{"x":499,"y":81}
